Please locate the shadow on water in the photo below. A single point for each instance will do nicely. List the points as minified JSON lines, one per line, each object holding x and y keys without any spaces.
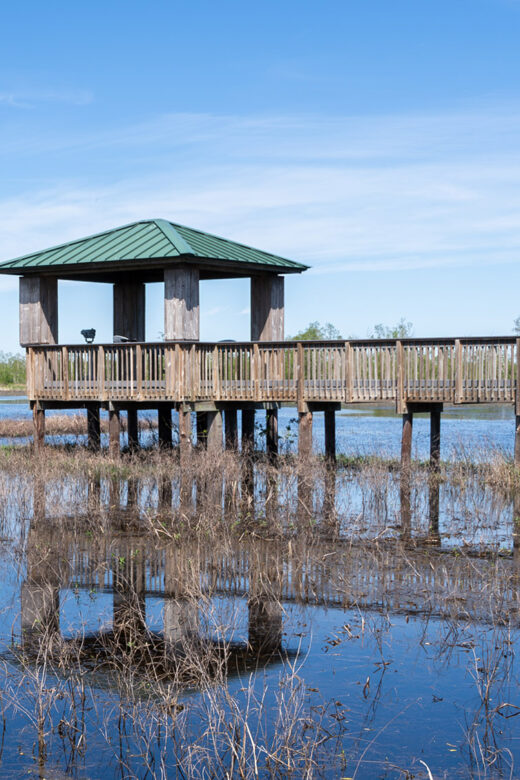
{"x":274,"y":625}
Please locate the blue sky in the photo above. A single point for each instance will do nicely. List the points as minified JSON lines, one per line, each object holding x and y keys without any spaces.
{"x":377,"y":141}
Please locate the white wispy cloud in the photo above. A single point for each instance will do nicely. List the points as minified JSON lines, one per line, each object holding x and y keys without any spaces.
{"x":352,"y":193}
{"x":31,"y":98}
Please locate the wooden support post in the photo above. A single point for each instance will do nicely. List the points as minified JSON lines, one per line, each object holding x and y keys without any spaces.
{"x":434,"y":503}
{"x":38,"y":310}
{"x":231,"y":429}
{"x":93,"y":428}
{"x":214,"y":431}
{"x":406,"y":442}
{"x":435,"y":437}
{"x":271,"y":437}
{"x":39,"y":427}
{"x":181,"y":303}
{"x":267,"y":308}
{"x":164,"y":427}
{"x":202,"y":429}
{"x":114,"y":433}
{"x":129,"y":310}
{"x":305,"y":435}
{"x":185,"y":435}
{"x":330,"y":435}
{"x":132,"y":428}
{"x":248,"y":430}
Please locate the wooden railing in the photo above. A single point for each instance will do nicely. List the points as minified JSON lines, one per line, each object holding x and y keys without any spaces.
{"x":471,"y":370}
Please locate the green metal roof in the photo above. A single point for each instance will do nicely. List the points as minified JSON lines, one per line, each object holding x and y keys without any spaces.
{"x":148,"y":240}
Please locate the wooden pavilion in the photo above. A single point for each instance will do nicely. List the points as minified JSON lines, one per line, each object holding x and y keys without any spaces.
{"x":218,"y":380}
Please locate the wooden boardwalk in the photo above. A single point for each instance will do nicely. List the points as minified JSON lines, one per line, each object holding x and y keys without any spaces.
{"x":416,"y":371}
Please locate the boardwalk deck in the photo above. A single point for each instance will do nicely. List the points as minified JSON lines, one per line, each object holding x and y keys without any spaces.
{"x":415,"y":371}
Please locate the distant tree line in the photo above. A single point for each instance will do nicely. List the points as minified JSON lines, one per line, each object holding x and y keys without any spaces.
{"x":12,"y":369}
{"x":328,"y":332}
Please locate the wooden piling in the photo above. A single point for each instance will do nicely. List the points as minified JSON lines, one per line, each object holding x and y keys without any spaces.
{"x":231,"y":429}
{"x":202,"y":429}
{"x":132,"y":428}
{"x":114,"y":433}
{"x":164,"y":419}
{"x":214,"y":431}
{"x":305,"y":435}
{"x":406,"y":442}
{"x":435,"y":437}
{"x":93,"y":427}
{"x":39,"y":427}
{"x":248,"y":430}
{"x":330,"y":435}
{"x":185,"y":435}
{"x":517,"y":440}
{"x":271,"y":438}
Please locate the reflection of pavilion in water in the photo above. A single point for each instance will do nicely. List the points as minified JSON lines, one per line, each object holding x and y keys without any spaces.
{"x":301,"y":569}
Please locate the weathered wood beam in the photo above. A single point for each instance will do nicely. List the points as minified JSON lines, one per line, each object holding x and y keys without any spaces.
{"x":114,"y":433}
{"x":267,"y":308}
{"x":305,"y":435}
{"x":164,"y":429}
{"x":271,"y":436}
{"x":93,"y":427}
{"x":248,"y":430}
{"x":406,"y":442}
{"x":129,"y":310}
{"x":39,"y":427}
{"x":181,"y":304}
{"x":435,"y":437}
{"x":214,"y":431}
{"x":38,"y":310}
{"x":231,"y":429}
{"x":132,"y":428}
{"x":330,"y":435}
{"x":202,"y":429}
{"x":185,"y":434}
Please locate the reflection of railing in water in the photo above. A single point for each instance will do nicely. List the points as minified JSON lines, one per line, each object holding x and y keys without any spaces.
{"x":387,"y":576}
{"x":470,"y":370}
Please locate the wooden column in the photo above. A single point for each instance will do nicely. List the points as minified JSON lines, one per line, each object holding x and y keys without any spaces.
{"x":129,"y":310}
{"x":214,"y":431}
{"x":202,"y":429}
{"x":330,"y":435}
{"x":435,"y":437}
{"x":39,"y":427}
{"x":38,"y":310}
{"x":267,"y":308}
{"x":231,"y":429}
{"x":181,"y":303}
{"x":132,"y":422}
{"x":185,"y":434}
{"x":406,"y":441}
{"x":271,"y":436}
{"x":164,"y":415}
{"x":305,"y":435}
{"x":248,"y":430}
{"x":114,"y":433}
{"x":93,"y":427}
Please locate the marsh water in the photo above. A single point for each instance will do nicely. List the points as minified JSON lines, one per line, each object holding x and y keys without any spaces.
{"x":327,"y":630}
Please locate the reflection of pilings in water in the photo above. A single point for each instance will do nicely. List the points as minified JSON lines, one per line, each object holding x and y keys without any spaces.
{"x":40,"y":593}
{"x":182,"y":591}
{"x":164,"y":493}
{"x":330,"y":517}
{"x":434,"y":488}
{"x":265,"y":627}
{"x":405,"y":492}
{"x":129,"y":608}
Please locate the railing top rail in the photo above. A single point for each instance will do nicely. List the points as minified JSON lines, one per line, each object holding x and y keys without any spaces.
{"x":429,"y":341}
